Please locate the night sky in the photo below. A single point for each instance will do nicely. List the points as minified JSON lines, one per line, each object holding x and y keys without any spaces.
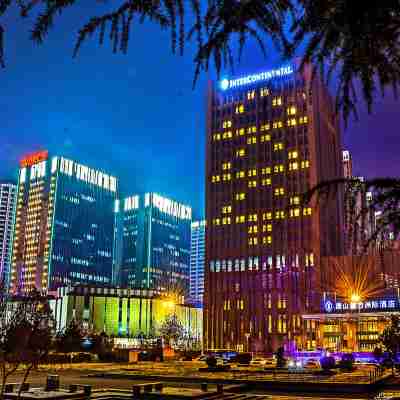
{"x":136,"y":116}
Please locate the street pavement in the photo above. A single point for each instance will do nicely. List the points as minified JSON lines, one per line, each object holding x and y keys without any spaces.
{"x":78,"y":374}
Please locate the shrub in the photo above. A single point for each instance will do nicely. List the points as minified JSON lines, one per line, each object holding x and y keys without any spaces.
{"x":347,"y":362}
{"x":327,"y":363}
{"x":211,"y":362}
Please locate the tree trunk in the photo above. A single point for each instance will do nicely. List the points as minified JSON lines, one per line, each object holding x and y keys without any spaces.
{"x":28,"y":370}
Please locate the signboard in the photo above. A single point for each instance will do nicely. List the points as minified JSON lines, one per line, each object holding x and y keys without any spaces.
{"x":254,"y":78}
{"x":364,"y":306}
{"x":34,"y":158}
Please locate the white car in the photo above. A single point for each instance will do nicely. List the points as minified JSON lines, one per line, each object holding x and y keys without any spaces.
{"x":258,"y":362}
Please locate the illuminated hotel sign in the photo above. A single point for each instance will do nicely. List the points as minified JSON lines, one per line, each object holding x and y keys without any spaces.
{"x":168,"y":206}
{"x":255,"y":78}
{"x":365,"y":306}
{"x":34,"y":158}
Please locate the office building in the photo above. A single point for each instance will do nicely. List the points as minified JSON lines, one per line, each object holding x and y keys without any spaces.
{"x":154,"y":253}
{"x":7,"y":209}
{"x":64,"y":226}
{"x":359,"y":220}
{"x":271,"y":136}
{"x":197,"y":257}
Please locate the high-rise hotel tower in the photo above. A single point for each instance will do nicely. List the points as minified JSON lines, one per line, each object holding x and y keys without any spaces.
{"x":64,"y":225}
{"x":7,"y":208}
{"x":270,"y":137}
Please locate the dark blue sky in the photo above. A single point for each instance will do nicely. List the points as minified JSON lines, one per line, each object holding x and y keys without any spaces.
{"x":136,"y":115}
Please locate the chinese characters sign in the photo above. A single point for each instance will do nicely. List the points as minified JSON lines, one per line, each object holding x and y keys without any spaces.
{"x":34,"y":158}
{"x":371,"y":305}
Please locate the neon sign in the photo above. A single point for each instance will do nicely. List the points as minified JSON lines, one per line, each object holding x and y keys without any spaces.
{"x":254,"y":78}
{"x":370,"y":305}
{"x":34,"y":158}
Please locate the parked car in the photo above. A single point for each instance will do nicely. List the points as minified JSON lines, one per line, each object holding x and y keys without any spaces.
{"x":312,"y":364}
{"x":258,"y":361}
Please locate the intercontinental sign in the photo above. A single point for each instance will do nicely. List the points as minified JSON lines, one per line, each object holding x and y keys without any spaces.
{"x":254,"y":78}
{"x":365,"y":306}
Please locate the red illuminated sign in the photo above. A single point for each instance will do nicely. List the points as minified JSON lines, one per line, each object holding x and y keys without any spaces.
{"x":34,"y":158}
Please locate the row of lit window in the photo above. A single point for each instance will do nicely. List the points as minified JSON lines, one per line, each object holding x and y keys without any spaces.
{"x":265,"y":240}
{"x":280,"y":168}
{"x":265,"y":127}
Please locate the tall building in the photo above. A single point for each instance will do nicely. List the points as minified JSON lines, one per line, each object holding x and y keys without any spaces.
{"x":7,"y":209}
{"x":64,"y":226}
{"x":154,"y":233}
{"x":347,"y":164}
{"x":359,"y":221}
{"x":197,"y":257}
{"x":271,"y":136}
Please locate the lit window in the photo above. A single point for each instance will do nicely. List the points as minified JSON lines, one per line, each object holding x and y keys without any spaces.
{"x":295,"y":200}
{"x":240,"y":132}
{"x":226,"y":210}
{"x":278,"y":146}
{"x":293,"y":166}
{"x":267,"y":216}
{"x":239,"y":109}
{"x":253,"y":241}
{"x":253,"y":229}
{"x":265,"y":138}
{"x":215,"y":178}
{"x":279,"y":168}
{"x":291,"y":110}
{"x":226,"y":166}
{"x":307,"y":211}
{"x":266,"y":182}
{"x":216,"y":221}
{"x":252,"y":140}
{"x":240,"y":174}
{"x":226,"y":177}
{"x":252,"y":172}
{"x":267,"y":239}
{"x":240,"y":219}
{"x":293,"y":154}
{"x":226,"y":220}
{"x":264,"y":92}
{"x":279,"y":214}
{"x":277,"y":101}
{"x":266,"y":171}
{"x":240,"y":153}
{"x":217,"y":136}
{"x":251,"y":95}
{"x":295,"y":212}
{"x":240,"y":196}
{"x":279,"y":191}
{"x":267,"y":228}
{"x":265,"y":127}
{"x":227,"y":135}
{"x":252,"y":218}
{"x":303,"y":120}
{"x":227,"y":124}
{"x":305,"y":164}
{"x":252,"y":184}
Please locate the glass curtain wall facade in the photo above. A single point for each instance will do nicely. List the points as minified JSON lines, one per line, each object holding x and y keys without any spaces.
{"x":64,"y":227}
{"x":7,"y":211}
{"x":270,"y":137}
{"x":155,"y":243}
{"x":197,"y":257}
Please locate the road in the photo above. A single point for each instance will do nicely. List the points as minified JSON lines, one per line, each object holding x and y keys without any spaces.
{"x":67,"y":377}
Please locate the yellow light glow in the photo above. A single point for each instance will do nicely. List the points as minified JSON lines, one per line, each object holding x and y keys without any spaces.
{"x":355,"y":298}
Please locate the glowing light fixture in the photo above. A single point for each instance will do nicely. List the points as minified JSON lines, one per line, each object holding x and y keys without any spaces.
{"x":355,"y":298}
